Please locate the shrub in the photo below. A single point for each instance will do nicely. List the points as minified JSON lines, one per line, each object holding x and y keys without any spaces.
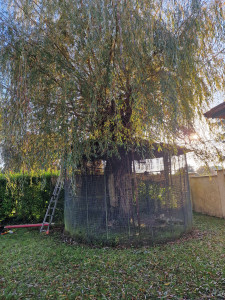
{"x":24,"y":197}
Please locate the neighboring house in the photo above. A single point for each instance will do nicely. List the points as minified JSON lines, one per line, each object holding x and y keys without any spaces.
{"x":208,"y":192}
{"x":216,"y":112}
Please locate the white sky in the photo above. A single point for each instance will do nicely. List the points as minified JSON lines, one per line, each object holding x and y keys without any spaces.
{"x":192,"y":160}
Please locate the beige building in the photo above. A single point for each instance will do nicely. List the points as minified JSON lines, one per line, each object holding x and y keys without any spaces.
{"x":208,"y":194}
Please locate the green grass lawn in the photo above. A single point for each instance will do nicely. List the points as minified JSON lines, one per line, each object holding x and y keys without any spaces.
{"x":34,"y":266}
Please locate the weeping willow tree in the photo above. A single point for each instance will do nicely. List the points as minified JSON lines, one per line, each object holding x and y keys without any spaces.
{"x":102,"y":76}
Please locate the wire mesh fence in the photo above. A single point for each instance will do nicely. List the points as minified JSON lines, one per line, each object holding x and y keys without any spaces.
{"x":148,"y":204}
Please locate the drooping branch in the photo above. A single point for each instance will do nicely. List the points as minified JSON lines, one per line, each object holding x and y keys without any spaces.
{"x":108,"y":71}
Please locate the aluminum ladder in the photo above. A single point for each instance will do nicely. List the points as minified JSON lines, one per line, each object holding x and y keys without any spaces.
{"x":52,"y":205}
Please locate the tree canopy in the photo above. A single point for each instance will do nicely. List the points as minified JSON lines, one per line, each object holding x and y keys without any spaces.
{"x":102,"y":74}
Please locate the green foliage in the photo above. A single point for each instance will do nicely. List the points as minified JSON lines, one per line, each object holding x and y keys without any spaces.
{"x":42,"y":267}
{"x":112,"y":71}
{"x":156,"y":196}
{"x":24,"y":197}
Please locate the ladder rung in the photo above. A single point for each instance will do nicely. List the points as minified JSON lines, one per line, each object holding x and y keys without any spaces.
{"x":53,"y":199}
{"x":52,"y":203}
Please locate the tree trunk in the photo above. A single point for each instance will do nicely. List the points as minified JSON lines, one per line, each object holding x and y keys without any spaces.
{"x":120,"y":187}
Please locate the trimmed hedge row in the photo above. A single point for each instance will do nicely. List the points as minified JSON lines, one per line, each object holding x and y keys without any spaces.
{"x":24,"y":198}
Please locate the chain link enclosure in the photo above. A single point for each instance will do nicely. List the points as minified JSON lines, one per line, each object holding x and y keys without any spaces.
{"x":148,"y":203}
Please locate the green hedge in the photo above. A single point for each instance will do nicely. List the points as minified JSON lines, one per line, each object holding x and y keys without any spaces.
{"x":24,"y":197}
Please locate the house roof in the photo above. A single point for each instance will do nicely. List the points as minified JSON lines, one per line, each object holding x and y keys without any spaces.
{"x":216,"y":112}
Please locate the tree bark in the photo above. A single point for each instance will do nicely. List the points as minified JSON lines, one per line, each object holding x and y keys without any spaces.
{"x":120,"y":186}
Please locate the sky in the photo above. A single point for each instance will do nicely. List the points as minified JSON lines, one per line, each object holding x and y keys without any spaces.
{"x":192,"y":160}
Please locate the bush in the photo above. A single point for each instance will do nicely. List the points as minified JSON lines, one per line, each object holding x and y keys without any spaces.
{"x":24,"y":197}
